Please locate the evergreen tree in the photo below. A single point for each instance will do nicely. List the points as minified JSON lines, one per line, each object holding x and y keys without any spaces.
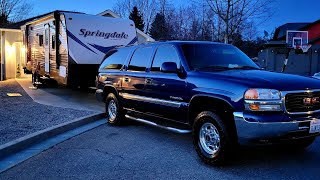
{"x":136,"y":17}
{"x":158,"y":28}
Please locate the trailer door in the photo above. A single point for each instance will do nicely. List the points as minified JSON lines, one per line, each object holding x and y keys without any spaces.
{"x":47,"y":48}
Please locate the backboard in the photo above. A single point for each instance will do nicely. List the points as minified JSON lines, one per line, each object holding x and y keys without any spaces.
{"x":297,"y":39}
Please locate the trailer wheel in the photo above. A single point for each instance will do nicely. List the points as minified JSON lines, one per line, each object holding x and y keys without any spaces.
{"x":114,"y":112}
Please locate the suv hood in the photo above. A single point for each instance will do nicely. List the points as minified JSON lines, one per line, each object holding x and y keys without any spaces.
{"x":266,"y":79}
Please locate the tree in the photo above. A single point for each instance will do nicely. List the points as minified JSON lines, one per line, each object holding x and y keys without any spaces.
{"x":236,"y":12}
{"x":14,"y":10}
{"x":158,"y":28}
{"x":136,"y":17}
{"x":148,"y":9}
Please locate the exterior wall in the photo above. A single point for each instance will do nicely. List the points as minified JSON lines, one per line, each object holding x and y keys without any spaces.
{"x":36,"y":52}
{"x":301,"y":64}
{"x":314,"y":31}
{"x":63,"y":51}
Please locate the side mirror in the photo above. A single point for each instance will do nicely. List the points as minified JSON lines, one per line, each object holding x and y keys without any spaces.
{"x":169,"y":67}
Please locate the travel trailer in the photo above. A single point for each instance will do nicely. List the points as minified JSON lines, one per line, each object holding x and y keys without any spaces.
{"x":69,"y":46}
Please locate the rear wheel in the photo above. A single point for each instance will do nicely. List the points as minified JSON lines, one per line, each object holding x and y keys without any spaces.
{"x":114,"y":111}
{"x":210,"y":138}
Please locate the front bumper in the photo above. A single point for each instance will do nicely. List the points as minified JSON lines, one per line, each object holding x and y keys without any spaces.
{"x":271,"y":132}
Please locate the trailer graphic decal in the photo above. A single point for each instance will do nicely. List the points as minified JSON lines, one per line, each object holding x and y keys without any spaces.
{"x":134,"y":40}
{"x":102,"y":48}
{"x":78,"y":41}
{"x":105,"y":35}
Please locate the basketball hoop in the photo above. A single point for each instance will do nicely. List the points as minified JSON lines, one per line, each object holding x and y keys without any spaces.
{"x":305,"y":48}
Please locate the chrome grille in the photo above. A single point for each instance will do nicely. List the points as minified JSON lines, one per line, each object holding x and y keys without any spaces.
{"x":298,"y":102}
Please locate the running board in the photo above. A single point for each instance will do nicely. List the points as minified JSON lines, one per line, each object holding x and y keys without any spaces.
{"x":180,"y":131}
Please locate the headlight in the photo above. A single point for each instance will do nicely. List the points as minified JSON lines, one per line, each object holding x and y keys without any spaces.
{"x":263,"y":100}
{"x":263,"y":94}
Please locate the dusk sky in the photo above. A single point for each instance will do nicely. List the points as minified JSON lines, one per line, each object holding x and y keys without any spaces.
{"x":285,"y":10}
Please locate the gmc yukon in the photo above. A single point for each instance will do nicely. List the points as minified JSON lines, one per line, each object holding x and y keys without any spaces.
{"x":212,"y":90}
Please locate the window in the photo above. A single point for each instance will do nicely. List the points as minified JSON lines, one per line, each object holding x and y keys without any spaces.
{"x":40,"y":40}
{"x":115,"y":58}
{"x":53,"y":45}
{"x":210,"y":57}
{"x":164,"y":53}
{"x":140,"y":59}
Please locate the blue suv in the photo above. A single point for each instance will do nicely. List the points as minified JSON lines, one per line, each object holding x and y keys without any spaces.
{"x":212,"y":90}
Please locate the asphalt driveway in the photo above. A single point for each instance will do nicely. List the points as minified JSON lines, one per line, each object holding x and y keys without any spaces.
{"x":142,"y":152}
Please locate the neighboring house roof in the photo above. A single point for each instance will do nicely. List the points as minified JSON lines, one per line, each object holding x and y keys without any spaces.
{"x":109,"y":13}
{"x":281,"y":31}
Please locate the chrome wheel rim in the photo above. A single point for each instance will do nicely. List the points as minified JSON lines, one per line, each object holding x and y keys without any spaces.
{"x":112,"y":110}
{"x":209,"y":138}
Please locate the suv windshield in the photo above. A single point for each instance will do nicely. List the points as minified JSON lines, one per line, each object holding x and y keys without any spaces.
{"x":216,"y":57}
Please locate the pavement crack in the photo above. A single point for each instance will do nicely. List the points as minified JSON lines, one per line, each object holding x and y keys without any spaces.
{"x":109,"y":154}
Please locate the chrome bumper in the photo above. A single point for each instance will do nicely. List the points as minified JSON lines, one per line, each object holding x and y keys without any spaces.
{"x":258,"y":132}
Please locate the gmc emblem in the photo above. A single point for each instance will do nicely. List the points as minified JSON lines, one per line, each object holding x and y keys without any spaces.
{"x":311,"y":101}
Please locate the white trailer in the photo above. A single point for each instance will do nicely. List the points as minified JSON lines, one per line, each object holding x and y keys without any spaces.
{"x":69,"y":46}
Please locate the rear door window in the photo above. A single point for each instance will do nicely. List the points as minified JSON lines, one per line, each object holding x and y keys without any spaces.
{"x":165,"y":53}
{"x":115,"y":59}
{"x":140,"y":59}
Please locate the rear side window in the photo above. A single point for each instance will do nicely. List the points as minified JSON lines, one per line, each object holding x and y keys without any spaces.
{"x":165,"y":53}
{"x":140,"y":59}
{"x":115,"y":59}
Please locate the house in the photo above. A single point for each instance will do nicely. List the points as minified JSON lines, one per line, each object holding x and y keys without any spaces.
{"x":13,"y":51}
{"x":273,"y":55}
{"x":142,"y":37}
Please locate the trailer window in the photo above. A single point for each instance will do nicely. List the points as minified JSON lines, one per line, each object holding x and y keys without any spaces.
{"x":53,"y":45}
{"x":41,"y":40}
{"x":140,"y":59}
{"x":115,"y":58}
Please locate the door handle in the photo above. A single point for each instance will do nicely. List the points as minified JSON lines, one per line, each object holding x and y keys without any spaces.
{"x":148,"y":81}
{"x":126,"y":79}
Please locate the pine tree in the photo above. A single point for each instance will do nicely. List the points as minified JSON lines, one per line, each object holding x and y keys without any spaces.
{"x":136,"y":17}
{"x":158,"y":28}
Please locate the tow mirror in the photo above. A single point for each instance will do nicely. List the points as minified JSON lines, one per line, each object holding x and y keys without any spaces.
{"x":169,"y":67}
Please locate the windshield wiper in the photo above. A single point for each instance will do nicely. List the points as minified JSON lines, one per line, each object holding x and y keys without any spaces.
{"x":216,"y":68}
{"x":246,"y":67}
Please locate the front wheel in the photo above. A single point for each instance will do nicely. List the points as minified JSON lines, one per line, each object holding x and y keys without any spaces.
{"x":114,"y":111}
{"x":210,"y":138}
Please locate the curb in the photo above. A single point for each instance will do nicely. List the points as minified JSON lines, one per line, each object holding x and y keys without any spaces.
{"x":22,"y":143}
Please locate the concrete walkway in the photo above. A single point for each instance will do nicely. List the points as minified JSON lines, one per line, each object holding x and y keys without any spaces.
{"x":61,"y":97}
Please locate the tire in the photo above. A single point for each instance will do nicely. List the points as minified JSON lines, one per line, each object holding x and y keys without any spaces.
{"x":114,"y":111}
{"x":210,"y":138}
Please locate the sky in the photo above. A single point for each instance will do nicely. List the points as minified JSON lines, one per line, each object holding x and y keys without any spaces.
{"x":285,"y":11}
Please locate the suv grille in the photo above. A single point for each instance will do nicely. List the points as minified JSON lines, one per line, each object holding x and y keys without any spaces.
{"x":302,"y":102}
